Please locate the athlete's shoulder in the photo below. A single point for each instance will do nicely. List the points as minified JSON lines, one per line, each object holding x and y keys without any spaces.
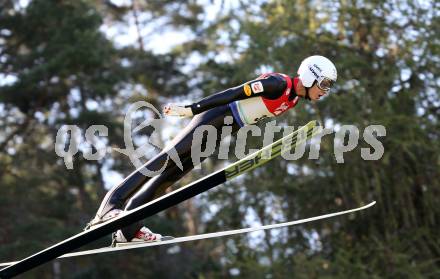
{"x":268,"y":85}
{"x":279,"y":77}
{"x":277,"y":81}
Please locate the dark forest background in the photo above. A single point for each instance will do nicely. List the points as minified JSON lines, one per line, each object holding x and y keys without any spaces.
{"x":59,"y":65}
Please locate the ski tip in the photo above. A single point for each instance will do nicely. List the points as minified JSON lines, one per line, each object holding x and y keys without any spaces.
{"x":369,"y":205}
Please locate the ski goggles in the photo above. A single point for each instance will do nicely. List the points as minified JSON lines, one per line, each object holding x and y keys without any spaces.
{"x":325,"y":83}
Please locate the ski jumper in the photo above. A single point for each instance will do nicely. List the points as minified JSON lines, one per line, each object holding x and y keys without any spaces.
{"x":267,"y":96}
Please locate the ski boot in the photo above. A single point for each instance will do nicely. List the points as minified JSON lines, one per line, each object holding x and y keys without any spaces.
{"x":144,"y":235}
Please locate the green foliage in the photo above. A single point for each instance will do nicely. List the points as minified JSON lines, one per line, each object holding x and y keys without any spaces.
{"x":65,"y":70}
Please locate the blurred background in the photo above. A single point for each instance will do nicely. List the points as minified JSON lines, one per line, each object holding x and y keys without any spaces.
{"x":85,"y":62}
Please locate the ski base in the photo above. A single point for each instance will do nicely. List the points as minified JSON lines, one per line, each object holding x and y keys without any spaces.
{"x":132,"y":245}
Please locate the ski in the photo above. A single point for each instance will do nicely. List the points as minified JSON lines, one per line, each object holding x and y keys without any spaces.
{"x":246,"y":164}
{"x":130,"y":246}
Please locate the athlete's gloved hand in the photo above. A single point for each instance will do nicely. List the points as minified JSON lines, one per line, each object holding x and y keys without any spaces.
{"x":177,"y":110}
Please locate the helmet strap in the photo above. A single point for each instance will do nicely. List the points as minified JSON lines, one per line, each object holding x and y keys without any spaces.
{"x":307,"y":97}
{"x":307,"y":90}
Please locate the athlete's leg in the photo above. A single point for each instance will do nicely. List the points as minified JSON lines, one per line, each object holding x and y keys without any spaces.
{"x":117,"y":197}
{"x":153,"y":189}
{"x":157,"y":185}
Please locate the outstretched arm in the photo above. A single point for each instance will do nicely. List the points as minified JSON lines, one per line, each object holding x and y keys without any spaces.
{"x":271,"y":87}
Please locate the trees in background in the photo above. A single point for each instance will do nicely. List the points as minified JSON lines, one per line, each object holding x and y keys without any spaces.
{"x":58,"y":67}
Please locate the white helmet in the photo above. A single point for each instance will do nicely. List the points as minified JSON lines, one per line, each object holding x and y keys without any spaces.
{"x":320,"y":69}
